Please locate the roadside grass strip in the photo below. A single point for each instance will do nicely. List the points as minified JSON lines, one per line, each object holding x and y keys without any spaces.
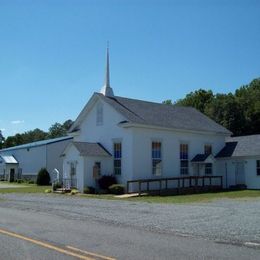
{"x":30,"y":188}
{"x":70,"y":251}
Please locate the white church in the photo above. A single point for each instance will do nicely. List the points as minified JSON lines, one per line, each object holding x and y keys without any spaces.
{"x":135,"y":139}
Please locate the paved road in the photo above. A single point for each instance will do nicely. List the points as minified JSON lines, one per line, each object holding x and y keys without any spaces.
{"x":127,"y":230}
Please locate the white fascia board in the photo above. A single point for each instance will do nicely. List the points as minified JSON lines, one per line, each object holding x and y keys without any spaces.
{"x":128,"y":125}
{"x":84,"y":112}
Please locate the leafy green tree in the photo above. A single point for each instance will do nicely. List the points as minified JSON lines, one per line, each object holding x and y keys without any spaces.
{"x":67,"y":124}
{"x":168,"y":102}
{"x":198,"y":99}
{"x":2,"y":139}
{"x":57,"y":130}
{"x":239,"y":112}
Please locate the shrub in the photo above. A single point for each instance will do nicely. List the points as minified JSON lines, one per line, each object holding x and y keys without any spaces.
{"x":32,"y":182}
{"x":43,"y":177}
{"x":117,"y":189}
{"x":106,"y":181}
{"x":19,"y":181}
{"x":89,"y":190}
{"x":48,"y":191}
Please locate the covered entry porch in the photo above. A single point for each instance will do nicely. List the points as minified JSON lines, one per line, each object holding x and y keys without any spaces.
{"x":84,"y":163}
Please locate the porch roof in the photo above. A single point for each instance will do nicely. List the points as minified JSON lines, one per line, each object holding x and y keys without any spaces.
{"x":8,"y":159}
{"x":203,"y":158}
{"x":91,"y":149}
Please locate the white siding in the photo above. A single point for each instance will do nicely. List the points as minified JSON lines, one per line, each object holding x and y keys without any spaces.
{"x":106,"y":168}
{"x":72,"y":154}
{"x":252,"y":179}
{"x":106,"y":134}
{"x":30,"y":160}
{"x":170,"y":150}
{"x":54,"y":159}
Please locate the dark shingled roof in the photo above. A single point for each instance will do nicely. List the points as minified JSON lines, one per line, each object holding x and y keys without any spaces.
{"x":162,"y":115}
{"x":241,"y":146}
{"x":91,"y":149}
{"x":200,"y":158}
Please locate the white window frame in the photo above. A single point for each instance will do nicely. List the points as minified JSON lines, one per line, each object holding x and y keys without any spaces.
{"x":208,"y":168}
{"x":73,"y":168}
{"x":208,"y":145}
{"x":258,"y":167}
{"x":117,"y":169}
{"x":184,"y":170}
{"x":156,"y":157}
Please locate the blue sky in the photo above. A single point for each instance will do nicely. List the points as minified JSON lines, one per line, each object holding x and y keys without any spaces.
{"x":52,"y":53}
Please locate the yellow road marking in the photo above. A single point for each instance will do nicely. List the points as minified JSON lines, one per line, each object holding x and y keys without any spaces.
{"x":46,"y":245}
{"x":89,"y":253}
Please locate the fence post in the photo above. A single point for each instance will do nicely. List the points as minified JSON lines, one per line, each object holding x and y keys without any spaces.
{"x":139,"y":188}
{"x":160,"y":186}
{"x":127,"y":187}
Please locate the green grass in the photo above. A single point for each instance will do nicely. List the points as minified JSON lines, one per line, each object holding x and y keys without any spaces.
{"x":196,"y":198}
{"x":30,"y":188}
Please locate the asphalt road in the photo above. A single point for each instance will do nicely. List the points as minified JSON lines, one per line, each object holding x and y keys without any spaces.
{"x":125,"y":230}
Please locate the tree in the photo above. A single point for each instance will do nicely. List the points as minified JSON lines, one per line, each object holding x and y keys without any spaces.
{"x":198,"y":99}
{"x":167,"y":102}
{"x":2,"y":139}
{"x":57,"y":130}
{"x":239,"y":112}
{"x":67,"y":124}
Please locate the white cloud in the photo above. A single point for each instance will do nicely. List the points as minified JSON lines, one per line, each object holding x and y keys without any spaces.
{"x":2,"y":129}
{"x":16,"y":122}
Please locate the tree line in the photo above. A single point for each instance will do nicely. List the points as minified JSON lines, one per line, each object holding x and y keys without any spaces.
{"x":238,"y":112}
{"x":56,"y":130}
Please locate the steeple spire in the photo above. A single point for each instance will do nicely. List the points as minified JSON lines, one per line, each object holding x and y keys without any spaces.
{"x":107,"y":90}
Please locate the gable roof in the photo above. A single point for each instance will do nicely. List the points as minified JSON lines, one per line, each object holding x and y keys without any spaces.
{"x":38,"y":143}
{"x":9,"y":159}
{"x":160,"y":115}
{"x":203,"y":158}
{"x":91,"y":149}
{"x":200,"y":158}
{"x":241,"y":146}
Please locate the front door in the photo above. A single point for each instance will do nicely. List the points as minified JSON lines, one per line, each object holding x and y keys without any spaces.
{"x":11,"y":176}
{"x":240,"y":173}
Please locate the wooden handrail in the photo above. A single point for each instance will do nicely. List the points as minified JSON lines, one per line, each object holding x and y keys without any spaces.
{"x":160,"y":180}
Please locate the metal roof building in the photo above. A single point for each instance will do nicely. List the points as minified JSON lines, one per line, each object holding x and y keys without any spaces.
{"x":24,"y":161}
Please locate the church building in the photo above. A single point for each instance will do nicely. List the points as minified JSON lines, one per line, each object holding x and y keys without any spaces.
{"x":135,"y":139}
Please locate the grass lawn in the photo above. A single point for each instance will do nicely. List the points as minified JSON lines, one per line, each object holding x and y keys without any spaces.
{"x":25,"y":188}
{"x":196,"y":198}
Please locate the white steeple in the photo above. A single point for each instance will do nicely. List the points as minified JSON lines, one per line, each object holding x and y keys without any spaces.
{"x":107,"y":90}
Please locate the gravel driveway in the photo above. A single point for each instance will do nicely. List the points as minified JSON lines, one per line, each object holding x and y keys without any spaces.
{"x":231,"y":221}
